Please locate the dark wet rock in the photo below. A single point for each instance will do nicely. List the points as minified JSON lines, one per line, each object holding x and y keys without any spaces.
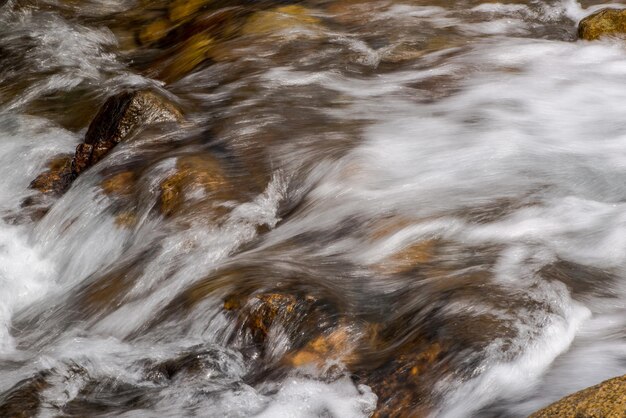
{"x":606,"y":22}
{"x":119,"y":117}
{"x":23,"y":399}
{"x":108,"y":396}
{"x":607,"y":399}
{"x":400,"y":368}
{"x":192,"y":364}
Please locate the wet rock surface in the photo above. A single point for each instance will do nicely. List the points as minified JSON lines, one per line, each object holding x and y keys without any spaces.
{"x":606,"y":22}
{"x":118,"y":118}
{"x":351,"y":268}
{"x":606,"y":399}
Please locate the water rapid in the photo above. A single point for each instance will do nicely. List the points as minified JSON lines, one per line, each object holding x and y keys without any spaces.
{"x":420,"y":211}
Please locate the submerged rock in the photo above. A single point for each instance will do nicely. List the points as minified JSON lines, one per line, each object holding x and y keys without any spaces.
{"x":606,"y":22}
{"x":279,"y":19}
{"x":154,"y":31}
{"x":23,"y":399}
{"x":199,"y":179}
{"x":119,"y":184}
{"x":183,"y":9}
{"x":189,"y":55}
{"x":304,"y":320}
{"x":607,"y":399}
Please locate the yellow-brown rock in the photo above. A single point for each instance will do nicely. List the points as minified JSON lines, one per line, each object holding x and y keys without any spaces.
{"x":259,"y":312}
{"x":57,"y":178}
{"x":606,"y":22}
{"x":279,"y":19}
{"x":605,"y":400}
{"x":119,"y":184}
{"x":404,"y":384}
{"x":194,"y":173}
{"x":191,"y":53}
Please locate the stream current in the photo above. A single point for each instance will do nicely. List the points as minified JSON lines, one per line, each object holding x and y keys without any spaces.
{"x":450,"y":175}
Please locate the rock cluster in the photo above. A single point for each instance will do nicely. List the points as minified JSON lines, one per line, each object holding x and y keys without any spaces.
{"x":121,"y":116}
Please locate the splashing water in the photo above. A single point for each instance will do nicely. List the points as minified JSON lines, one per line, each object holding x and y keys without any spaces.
{"x":425,"y":210}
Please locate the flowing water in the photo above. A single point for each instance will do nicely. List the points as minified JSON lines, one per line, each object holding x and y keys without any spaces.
{"x":425,"y":202}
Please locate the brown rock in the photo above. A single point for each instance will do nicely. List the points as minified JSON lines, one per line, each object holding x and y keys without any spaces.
{"x":57,"y":178}
{"x":606,"y":22}
{"x":183,"y":9}
{"x":186,"y":57}
{"x":409,"y":258}
{"x":23,"y":399}
{"x":302,"y":318}
{"x":279,"y":19}
{"x":121,"y":115}
{"x":193,"y":173}
{"x":339,"y":344}
{"x":120,"y":184}
{"x":605,"y":400}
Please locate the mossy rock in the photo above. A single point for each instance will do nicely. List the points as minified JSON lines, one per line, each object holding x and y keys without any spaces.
{"x":606,"y":22}
{"x":607,"y":399}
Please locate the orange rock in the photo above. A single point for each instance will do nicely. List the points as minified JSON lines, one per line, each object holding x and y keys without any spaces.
{"x":338,"y":345}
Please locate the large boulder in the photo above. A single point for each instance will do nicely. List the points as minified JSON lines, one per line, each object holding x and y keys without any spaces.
{"x":606,"y":22}
{"x":607,"y":399}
